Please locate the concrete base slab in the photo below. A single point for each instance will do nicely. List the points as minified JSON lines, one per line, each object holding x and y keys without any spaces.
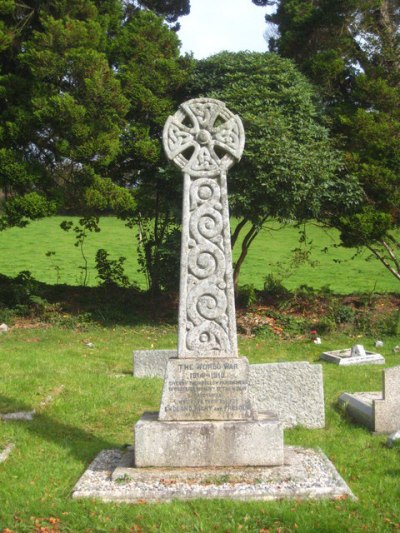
{"x":208,"y":443}
{"x":306,"y":474}
{"x":19,"y":415}
{"x":345,"y":358}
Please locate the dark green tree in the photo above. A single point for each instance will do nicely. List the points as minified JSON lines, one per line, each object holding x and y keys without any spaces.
{"x":153,"y":75}
{"x":84,"y":89}
{"x":289,"y":170}
{"x":350,"y":49}
{"x":61,"y":106}
{"x":171,"y":10}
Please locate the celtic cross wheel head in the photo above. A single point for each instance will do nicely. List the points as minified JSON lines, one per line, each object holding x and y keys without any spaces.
{"x":203,"y":137}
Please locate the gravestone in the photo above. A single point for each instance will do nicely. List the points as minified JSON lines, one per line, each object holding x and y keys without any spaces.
{"x":206,"y":417}
{"x":357,"y":355}
{"x":379,"y":411}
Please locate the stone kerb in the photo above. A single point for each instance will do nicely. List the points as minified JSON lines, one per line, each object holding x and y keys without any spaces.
{"x":387,"y":409}
{"x":353,"y":356}
{"x":379,"y":411}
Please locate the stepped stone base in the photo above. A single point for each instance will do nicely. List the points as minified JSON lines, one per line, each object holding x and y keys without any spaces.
{"x":208,"y":443}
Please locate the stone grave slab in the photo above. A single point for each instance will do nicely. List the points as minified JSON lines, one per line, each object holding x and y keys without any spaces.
{"x":379,"y":411}
{"x":356,"y":355}
{"x":151,"y":363}
{"x":305,"y":474}
{"x":294,"y":391}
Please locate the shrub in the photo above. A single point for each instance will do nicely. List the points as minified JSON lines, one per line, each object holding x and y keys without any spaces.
{"x":111,"y":271}
{"x":246,"y":295}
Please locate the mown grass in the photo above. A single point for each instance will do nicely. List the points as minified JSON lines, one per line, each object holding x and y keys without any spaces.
{"x":25,"y":249}
{"x":99,"y":403}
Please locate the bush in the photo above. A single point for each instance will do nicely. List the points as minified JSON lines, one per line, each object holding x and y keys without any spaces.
{"x":111,"y":271}
{"x":273,"y":286}
{"x":246,"y":295}
{"x":341,"y":314}
{"x":17,"y":291}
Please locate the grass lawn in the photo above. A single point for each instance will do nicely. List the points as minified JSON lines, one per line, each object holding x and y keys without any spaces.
{"x":26,"y":248}
{"x":94,"y":403}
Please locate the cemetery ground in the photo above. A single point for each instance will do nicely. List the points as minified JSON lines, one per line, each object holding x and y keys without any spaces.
{"x":86,"y":400}
{"x":68,"y":358}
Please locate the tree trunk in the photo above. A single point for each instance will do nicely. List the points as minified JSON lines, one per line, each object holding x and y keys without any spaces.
{"x":238,"y":229}
{"x":249,"y":238}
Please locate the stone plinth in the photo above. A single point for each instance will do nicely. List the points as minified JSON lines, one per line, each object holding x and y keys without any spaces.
{"x":306,"y":474}
{"x":208,"y":443}
{"x":349,"y":357}
{"x":206,"y":389}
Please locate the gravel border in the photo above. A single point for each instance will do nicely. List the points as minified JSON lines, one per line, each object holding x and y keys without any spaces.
{"x":306,"y":474}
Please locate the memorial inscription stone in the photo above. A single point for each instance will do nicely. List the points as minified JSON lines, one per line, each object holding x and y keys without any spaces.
{"x":206,"y":389}
{"x":205,"y":398}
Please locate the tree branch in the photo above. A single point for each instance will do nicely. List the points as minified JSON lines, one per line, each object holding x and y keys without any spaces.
{"x":384,"y":261}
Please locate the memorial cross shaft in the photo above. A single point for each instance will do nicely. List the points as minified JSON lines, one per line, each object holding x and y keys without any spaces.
{"x":204,"y":139}
{"x":206,"y":417}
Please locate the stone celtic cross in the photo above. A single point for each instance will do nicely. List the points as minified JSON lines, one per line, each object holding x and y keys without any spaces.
{"x":204,"y":139}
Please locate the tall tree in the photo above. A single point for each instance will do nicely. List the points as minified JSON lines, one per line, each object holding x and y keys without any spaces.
{"x":350,"y":49}
{"x":171,"y":10}
{"x":153,"y":75}
{"x":84,"y":89}
{"x":289,"y":170}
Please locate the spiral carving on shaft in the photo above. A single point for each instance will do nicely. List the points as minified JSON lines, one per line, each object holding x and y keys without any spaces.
{"x":205,"y":139}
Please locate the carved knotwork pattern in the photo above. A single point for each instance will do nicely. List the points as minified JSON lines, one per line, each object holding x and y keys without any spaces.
{"x":206,"y":298}
{"x":204,"y":139}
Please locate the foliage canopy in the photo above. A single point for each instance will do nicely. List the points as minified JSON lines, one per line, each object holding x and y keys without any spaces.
{"x":289,"y":170}
{"x":350,"y":49}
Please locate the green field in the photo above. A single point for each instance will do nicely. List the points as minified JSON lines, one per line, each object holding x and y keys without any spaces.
{"x":95,"y":402}
{"x":25,"y":249}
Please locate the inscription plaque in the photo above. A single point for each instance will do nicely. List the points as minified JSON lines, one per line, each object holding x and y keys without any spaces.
{"x":206,"y":389}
